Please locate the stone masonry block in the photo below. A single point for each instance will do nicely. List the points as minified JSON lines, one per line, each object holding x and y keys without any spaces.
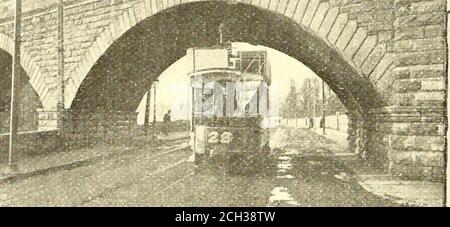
{"x":300,"y":11}
{"x":337,"y":28}
{"x":373,"y":59}
{"x":417,"y":143}
{"x":319,"y":17}
{"x":346,"y":35}
{"x":273,"y":5}
{"x":290,"y":8}
{"x":416,"y":7}
{"x":418,"y":172}
{"x":310,"y":12}
{"x":356,"y":42}
{"x":419,"y":20}
{"x":328,"y":22}
{"x":421,"y":159}
{"x":413,"y":45}
{"x":365,"y":50}
{"x":420,"y":58}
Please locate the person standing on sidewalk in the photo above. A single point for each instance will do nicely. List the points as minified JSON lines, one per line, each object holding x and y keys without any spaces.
{"x":311,"y":123}
{"x":166,"y":120}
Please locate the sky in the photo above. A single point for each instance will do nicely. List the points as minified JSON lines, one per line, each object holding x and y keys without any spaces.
{"x":173,"y":87}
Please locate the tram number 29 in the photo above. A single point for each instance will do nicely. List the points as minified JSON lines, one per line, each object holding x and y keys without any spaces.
{"x":216,"y":138}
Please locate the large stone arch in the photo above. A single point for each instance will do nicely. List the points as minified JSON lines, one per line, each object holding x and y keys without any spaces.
{"x":32,"y":69}
{"x":125,"y":60}
{"x":362,"y":70}
{"x":352,"y":43}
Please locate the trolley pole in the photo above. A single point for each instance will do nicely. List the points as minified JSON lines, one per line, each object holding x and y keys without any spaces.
{"x":15,"y":86}
{"x":221,"y":27}
{"x":323,"y":107}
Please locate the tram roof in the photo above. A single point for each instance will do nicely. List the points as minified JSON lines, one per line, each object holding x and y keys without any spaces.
{"x":243,"y":64}
{"x":227,"y":74}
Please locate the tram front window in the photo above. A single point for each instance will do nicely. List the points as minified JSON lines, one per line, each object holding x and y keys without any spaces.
{"x":235,"y":99}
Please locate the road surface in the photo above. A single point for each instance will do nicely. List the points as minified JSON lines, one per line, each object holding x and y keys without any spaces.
{"x":305,"y":173}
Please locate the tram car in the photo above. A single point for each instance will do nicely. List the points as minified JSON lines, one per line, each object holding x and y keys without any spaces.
{"x":230,"y":96}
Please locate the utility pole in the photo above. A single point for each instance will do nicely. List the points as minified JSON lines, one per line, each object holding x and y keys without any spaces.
{"x":192,"y":105}
{"x":147,"y":113}
{"x":188,"y":124}
{"x":447,"y":189}
{"x":61,"y":55}
{"x":314,"y":108}
{"x":323,"y":107}
{"x":155,"y":85}
{"x":15,"y":86}
{"x":61,"y":102}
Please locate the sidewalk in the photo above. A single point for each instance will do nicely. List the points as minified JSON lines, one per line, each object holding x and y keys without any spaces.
{"x":43,"y":164}
{"x":174,"y":136}
{"x":338,"y":137}
{"x":407,"y":192}
{"x":412,"y":193}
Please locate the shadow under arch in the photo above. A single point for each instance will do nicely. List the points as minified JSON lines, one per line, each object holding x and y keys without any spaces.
{"x":120,"y":78}
{"x":29,"y":100}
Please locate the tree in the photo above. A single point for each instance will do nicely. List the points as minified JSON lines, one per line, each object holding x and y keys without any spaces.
{"x":309,"y":97}
{"x":307,"y":101}
{"x":334,"y":105}
{"x":290,"y":107}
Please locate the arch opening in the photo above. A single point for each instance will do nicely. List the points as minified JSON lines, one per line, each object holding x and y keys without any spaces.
{"x":122,"y":75}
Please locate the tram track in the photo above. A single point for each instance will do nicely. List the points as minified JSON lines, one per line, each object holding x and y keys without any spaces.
{"x":110,"y":190}
{"x":167,"y":149}
{"x":179,"y":180}
{"x":166,"y":168}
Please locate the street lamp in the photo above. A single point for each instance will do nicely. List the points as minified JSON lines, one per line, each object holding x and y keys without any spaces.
{"x":15,"y":78}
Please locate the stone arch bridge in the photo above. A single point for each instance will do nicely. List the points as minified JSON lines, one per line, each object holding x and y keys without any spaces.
{"x":385,"y":59}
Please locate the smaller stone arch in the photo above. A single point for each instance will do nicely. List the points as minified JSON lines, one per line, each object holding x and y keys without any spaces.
{"x":29,"y":101}
{"x":32,"y":69}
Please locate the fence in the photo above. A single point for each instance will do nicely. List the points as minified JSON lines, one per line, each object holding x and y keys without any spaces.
{"x":27,"y":122}
{"x":112,"y":128}
{"x":338,"y":122}
{"x":29,"y":143}
{"x":86,"y":129}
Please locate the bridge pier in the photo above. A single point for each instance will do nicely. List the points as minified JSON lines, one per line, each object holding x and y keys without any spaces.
{"x":352,"y":131}
{"x":410,"y":141}
{"x":358,"y":133}
{"x":407,"y":142}
{"x":48,"y":119}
